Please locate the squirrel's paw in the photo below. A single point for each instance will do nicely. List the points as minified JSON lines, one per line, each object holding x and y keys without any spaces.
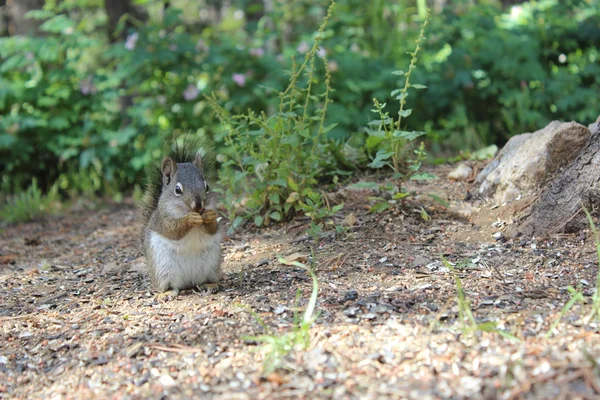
{"x":209,"y":215}
{"x":167,"y":296}
{"x":194,"y":219}
{"x":209,"y":288}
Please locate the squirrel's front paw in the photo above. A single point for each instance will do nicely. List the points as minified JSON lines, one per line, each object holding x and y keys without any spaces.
{"x":194,"y":219}
{"x":209,"y":215}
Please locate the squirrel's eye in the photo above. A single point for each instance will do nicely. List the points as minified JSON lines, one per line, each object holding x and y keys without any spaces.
{"x":178,"y":189}
{"x":207,"y":188}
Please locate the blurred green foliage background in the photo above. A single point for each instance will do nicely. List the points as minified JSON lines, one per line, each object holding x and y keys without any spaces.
{"x":89,"y":89}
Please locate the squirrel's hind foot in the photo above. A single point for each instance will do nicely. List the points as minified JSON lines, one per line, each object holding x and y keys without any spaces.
{"x":167,"y":296}
{"x":208,"y":288}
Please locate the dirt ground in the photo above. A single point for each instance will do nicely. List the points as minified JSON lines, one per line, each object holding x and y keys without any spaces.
{"x":78,"y":318}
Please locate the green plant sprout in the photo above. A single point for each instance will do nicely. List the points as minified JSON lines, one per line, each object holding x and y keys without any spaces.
{"x":276,"y":346}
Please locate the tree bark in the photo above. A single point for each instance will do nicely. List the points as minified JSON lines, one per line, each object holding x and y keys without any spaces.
{"x":18,"y":24}
{"x":115,"y":9}
{"x":559,"y":206}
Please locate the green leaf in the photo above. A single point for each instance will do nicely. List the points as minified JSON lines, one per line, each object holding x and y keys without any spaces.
{"x":292,"y":185}
{"x":337,"y":208}
{"x":279,"y":182}
{"x":58,"y":24}
{"x":329,"y":127}
{"x":276,"y":215}
{"x":395,"y":92}
{"x":401,"y":195}
{"x":438,"y":200}
{"x":417,"y":86}
{"x":373,"y":142}
{"x":380,"y":158}
{"x":39,"y":14}
{"x":408,"y":135}
{"x":422,"y":176}
{"x":237,"y":222}
{"x":364,"y":185}
{"x":258,"y":220}
{"x":274,"y":198}
{"x":379,"y":207}
{"x":405,"y":113}
{"x":398,"y":72}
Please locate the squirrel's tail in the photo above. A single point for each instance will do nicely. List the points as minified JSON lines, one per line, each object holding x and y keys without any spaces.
{"x":182,"y":149}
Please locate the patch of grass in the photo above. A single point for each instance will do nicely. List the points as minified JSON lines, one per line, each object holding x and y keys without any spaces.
{"x":595,"y":314}
{"x":465,"y":315}
{"x":577,"y":294}
{"x":276,"y":346}
{"x":576,"y":297}
{"x":30,"y":204}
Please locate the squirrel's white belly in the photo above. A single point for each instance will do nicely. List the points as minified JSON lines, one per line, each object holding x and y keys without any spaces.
{"x":182,"y":264}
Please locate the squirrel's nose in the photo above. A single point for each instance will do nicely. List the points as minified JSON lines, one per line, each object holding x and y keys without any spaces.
{"x":197,"y":205}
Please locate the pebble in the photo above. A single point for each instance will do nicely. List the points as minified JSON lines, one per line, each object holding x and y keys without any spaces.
{"x":166,"y":380}
{"x":420,"y":261}
{"x":460,"y":173}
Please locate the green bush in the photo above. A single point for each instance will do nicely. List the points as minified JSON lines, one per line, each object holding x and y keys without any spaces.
{"x":91,"y":114}
{"x":276,"y":160}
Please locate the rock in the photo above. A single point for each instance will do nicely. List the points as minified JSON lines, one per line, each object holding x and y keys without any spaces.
{"x":460,"y":173}
{"x":420,"y":261}
{"x":528,"y":159}
{"x":350,"y":220}
{"x":595,"y":127}
{"x":462,"y":211}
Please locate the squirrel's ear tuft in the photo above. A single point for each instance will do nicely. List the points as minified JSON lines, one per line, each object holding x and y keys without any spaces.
{"x":169,"y":167}
{"x":198,"y":160}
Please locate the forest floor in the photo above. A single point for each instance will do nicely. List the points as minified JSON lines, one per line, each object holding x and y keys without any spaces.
{"x":78,"y":318}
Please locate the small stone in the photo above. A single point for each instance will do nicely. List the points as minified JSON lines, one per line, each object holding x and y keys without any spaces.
{"x":350,"y":220}
{"x":166,"y":380}
{"x":279,"y":310}
{"x":460,"y":173}
{"x":350,"y":295}
{"x":498,"y":235}
{"x":420,"y":261}
{"x":369,"y":316}
{"x":351,"y":312}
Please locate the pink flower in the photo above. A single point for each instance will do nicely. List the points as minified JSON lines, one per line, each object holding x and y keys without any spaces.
{"x":239,"y":79}
{"x":303,"y":47}
{"x":321,"y":52}
{"x":257,"y":52}
{"x":86,"y":86}
{"x":131,"y":41}
{"x":191,"y":92}
{"x":333,"y":66}
{"x":201,"y":46}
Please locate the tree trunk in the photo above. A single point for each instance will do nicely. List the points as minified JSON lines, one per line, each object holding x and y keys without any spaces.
{"x":18,"y":24}
{"x":115,"y":9}
{"x":559,"y":206}
{"x":4,"y":19}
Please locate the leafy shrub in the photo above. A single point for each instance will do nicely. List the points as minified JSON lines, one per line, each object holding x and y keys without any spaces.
{"x":275,"y":161}
{"x":91,"y":114}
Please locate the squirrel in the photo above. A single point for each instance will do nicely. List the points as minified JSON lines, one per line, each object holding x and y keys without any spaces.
{"x":181,"y":235}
